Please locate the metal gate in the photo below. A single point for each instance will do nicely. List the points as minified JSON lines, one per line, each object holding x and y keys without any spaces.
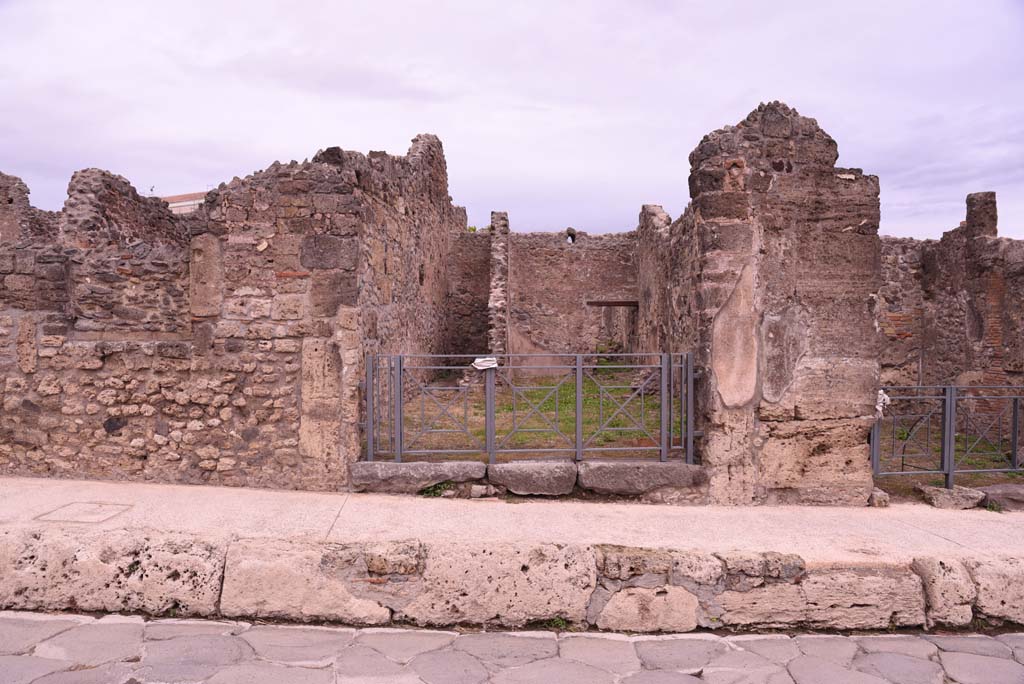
{"x":947,"y":430}
{"x":530,"y":406}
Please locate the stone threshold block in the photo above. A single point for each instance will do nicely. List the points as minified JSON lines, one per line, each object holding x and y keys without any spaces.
{"x":413,"y":477}
{"x":545,"y":478}
{"x":957,"y":498}
{"x":638,"y":478}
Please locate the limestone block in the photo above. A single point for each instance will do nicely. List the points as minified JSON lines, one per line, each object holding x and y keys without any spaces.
{"x":301,"y":581}
{"x":27,"y":348}
{"x":320,"y":437}
{"x":666,"y":609}
{"x":109,"y":571}
{"x":413,"y":477}
{"x":635,"y":478}
{"x":735,"y":344}
{"x":949,"y":591}
{"x":853,"y":598}
{"x":1000,"y":585}
{"x":746,"y":570}
{"x":506,"y":584}
{"x":693,"y":568}
{"x":288,"y":307}
{"x":206,"y":275}
{"x":625,"y":562}
{"x":321,"y":369}
{"x":957,"y":498}
{"x":817,"y":462}
{"x":864,"y":598}
{"x":552,"y":478}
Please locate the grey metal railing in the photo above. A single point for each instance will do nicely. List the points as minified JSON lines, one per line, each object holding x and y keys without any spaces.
{"x":947,"y":430}
{"x":530,"y":406}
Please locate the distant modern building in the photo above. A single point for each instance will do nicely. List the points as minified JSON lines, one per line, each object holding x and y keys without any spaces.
{"x":184,"y":204}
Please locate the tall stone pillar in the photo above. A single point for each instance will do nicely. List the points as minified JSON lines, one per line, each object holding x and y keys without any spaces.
{"x":788,"y":269}
{"x":497,"y":302}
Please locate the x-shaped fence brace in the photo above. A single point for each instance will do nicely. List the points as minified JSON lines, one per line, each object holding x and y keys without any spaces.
{"x":621,"y":408}
{"x":462,"y":425}
{"x":535,"y":409}
{"x":983,"y":434}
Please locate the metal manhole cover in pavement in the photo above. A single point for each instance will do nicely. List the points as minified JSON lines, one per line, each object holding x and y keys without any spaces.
{"x":84,"y":512}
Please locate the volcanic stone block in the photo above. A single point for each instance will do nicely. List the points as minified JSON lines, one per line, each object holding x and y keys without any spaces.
{"x":411,"y":478}
{"x":634,"y":479}
{"x":1003,"y":497}
{"x":550,"y":478}
{"x":957,"y":498}
{"x":331,"y":289}
{"x":110,"y":571}
{"x":328,"y":252}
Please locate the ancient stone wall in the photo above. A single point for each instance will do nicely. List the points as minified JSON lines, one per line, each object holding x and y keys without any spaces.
{"x":469,"y":286}
{"x":788,"y":267}
{"x":667,"y":267}
{"x":19,"y":220}
{"x":498,"y":295}
{"x":223,"y":347}
{"x":227,"y":345}
{"x":949,"y":309}
{"x":556,"y":285}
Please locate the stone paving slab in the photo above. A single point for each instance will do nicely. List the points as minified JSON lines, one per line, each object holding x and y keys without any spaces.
{"x":117,"y":650}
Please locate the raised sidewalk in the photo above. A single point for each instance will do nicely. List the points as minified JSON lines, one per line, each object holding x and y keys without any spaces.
{"x":370,"y":559}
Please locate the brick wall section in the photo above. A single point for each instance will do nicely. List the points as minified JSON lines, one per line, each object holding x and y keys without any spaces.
{"x":901,"y":311}
{"x":550,"y":282}
{"x":949,"y":308}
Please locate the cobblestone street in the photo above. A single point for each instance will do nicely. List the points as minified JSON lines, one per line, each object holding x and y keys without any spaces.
{"x":69,"y":649}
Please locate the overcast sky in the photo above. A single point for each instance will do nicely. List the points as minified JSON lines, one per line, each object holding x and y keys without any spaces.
{"x":561,"y":113}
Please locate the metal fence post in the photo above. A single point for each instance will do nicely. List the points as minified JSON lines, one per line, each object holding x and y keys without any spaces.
{"x":1015,"y":433}
{"x":666,"y":405}
{"x":949,"y":435}
{"x":579,"y":407}
{"x":398,"y":392}
{"x":371,"y":423}
{"x":876,"y":446}
{"x":489,"y":413}
{"x":689,"y":422}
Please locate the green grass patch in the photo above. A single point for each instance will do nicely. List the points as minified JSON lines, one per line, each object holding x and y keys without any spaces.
{"x":436,"y":490}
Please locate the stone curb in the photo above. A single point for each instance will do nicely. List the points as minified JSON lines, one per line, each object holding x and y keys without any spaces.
{"x":508,"y":585}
